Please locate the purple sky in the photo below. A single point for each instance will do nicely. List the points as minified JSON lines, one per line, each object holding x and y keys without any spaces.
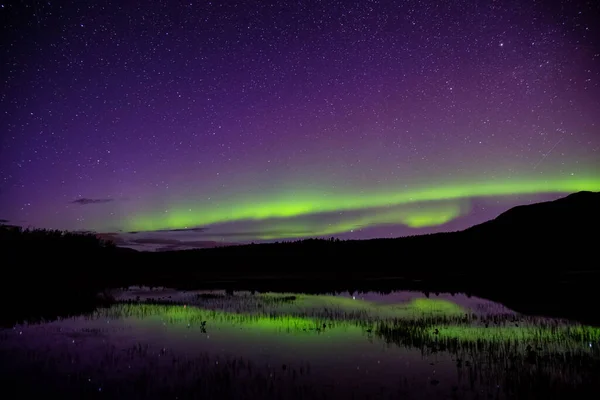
{"x":253,"y":121}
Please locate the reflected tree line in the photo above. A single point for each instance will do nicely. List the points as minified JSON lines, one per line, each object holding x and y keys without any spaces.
{"x":523,"y":259}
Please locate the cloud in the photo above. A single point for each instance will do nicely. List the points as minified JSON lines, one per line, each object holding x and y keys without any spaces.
{"x":85,"y":201}
{"x":175,"y":247}
{"x":171,"y":248}
{"x":176,"y":242}
{"x":113,"y":237}
{"x":168,"y":244}
{"x":4,"y":221}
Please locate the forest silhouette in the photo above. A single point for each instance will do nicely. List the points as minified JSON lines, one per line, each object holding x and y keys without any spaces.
{"x":535,"y":258}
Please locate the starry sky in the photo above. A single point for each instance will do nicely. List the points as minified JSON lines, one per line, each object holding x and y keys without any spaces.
{"x":179,"y":124}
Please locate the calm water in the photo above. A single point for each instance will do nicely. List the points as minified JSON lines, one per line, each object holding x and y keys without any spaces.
{"x":263,"y":346}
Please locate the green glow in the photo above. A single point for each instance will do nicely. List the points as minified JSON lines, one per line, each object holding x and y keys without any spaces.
{"x":420,"y":220}
{"x":309,"y":202}
{"x":415,"y":308}
{"x":229,"y":323}
{"x":347,"y":320}
{"x":512,"y":332}
{"x":409,"y":215}
{"x":294,"y":316}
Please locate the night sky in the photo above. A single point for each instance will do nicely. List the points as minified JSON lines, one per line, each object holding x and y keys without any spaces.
{"x":195,"y":123}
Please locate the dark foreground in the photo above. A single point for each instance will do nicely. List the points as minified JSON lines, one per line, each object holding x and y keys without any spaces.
{"x":179,"y":345}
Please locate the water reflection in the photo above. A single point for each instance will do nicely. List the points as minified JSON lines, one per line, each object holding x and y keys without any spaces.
{"x":210,"y":344}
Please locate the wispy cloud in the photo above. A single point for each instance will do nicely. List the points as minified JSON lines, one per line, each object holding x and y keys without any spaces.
{"x":4,"y":221}
{"x":167,"y":244}
{"x":175,"y":247}
{"x":85,"y":201}
{"x":166,"y":241}
{"x":113,"y":237}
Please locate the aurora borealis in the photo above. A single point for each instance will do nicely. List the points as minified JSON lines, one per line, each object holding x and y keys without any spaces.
{"x":199,"y":123}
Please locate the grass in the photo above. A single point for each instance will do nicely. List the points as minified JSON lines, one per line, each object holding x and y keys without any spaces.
{"x":278,"y":346}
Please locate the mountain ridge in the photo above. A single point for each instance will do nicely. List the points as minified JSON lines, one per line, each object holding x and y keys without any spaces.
{"x":574,"y":212}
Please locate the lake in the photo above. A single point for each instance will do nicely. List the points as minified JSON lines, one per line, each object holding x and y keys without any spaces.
{"x":165,"y":344}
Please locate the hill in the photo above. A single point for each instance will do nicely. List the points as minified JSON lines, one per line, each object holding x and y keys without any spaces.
{"x":556,"y":235}
{"x":536,"y":258}
{"x":577,"y":215}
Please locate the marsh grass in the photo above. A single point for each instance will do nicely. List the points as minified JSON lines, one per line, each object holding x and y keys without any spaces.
{"x":493,"y":356}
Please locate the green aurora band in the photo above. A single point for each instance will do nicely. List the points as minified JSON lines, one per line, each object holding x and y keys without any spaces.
{"x":430,"y":214}
{"x":280,"y":210}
